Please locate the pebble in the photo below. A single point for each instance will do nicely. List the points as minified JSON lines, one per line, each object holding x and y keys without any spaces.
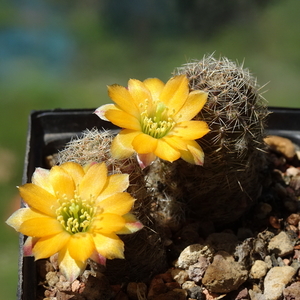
{"x":179,"y":275}
{"x":276,"y":280}
{"x":281,"y":144}
{"x":224,"y":274}
{"x":197,"y":270}
{"x":190,"y":255}
{"x":292,"y":292}
{"x":281,"y":244}
{"x":259,"y":269}
{"x":178,"y":294}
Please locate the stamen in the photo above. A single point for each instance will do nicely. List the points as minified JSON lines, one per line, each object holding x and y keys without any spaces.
{"x":159,"y":124}
{"x":76,"y":215}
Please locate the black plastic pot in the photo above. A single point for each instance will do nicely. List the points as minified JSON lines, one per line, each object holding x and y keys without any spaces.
{"x":50,"y":130}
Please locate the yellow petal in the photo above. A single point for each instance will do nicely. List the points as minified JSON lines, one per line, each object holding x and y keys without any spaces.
{"x":155,"y":86}
{"x":116,"y":183}
{"x":176,"y":142}
{"x":175,"y":93}
{"x":108,"y":223}
{"x":69,"y":267}
{"x":166,"y":152}
{"x":123,"y":119}
{"x":144,"y":143}
{"x":81,"y":246}
{"x":123,"y":98}
{"x":38,"y":198}
{"x":191,"y":130}
{"x":40,"y":177}
{"x":21,"y":215}
{"x":139,"y":93}
{"x":47,"y":246}
{"x":132,"y":225}
{"x":93,"y":181}
{"x":40,"y":227}
{"x":194,"y":155}
{"x":192,"y":106}
{"x":121,"y":146}
{"x":101,"y":111}
{"x":62,"y":182}
{"x":109,"y":245}
{"x":74,"y":170}
{"x":119,"y":204}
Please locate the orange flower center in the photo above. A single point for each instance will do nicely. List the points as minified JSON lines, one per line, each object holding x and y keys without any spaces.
{"x":159,"y":123}
{"x":75,"y":215}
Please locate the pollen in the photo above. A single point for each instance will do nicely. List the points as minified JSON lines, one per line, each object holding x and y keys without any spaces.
{"x":76,"y":215}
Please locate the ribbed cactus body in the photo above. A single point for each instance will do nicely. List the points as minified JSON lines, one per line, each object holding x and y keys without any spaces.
{"x":229,"y":182}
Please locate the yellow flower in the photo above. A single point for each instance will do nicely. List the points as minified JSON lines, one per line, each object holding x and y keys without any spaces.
{"x":156,"y":120}
{"x":76,"y":212}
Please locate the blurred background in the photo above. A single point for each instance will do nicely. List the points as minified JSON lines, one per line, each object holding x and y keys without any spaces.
{"x":63,"y":54}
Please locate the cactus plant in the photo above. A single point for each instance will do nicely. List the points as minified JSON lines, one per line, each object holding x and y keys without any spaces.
{"x":229,"y":182}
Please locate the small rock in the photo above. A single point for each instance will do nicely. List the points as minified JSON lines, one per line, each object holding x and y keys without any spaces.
{"x":275,"y":281}
{"x":281,"y":244}
{"x":224,"y":274}
{"x":197,"y":270}
{"x":179,"y":275}
{"x":190,"y":255}
{"x":293,"y":219}
{"x":259,"y":269}
{"x":281,"y":144}
{"x":195,"y":292}
{"x":254,"y":295}
{"x":157,"y":287}
{"x":188,"y":285}
{"x":292,"y":292}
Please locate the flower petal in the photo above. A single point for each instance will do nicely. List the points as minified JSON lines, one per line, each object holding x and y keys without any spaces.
{"x":191,"y":130}
{"x":108,"y":223}
{"x":69,"y":267}
{"x":81,"y":246}
{"x":146,"y":159}
{"x":123,"y":98}
{"x":192,"y":106}
{"x":176,"y":142}
{"x":101,"y":111}
{"x":122,"y":119}
{"x":21,"y":215}
{"x":166,"y":152}
{"x":155,"y":86}
{"x":93,"y":181}
{"x":98,"y":258}
{"x":40,"y":227}
{"x":132,"y":225}
{"x":194,"y":155}
{"x":116,"y":183}
{"x":38,"y":198}
{"x":74,"y":170}
{"x":40,"y":177}
{"x":62,"y":182}
{"x":175,"y":92}
{"x":139,"y":92}
{"x":144,"y":143}
{"x":119,"y":204}
{"x":121,"y":146}
{"x":109,"y":245}
{"x":28,"y":246}
{"x":49,"y":245}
